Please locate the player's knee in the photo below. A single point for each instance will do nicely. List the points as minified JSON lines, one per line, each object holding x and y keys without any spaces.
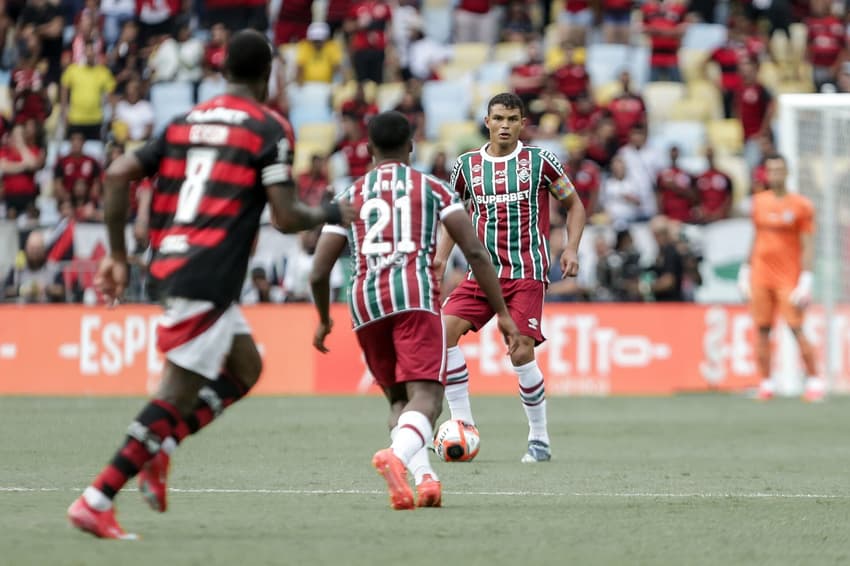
{"x":764,"y":331}
{"x":524,"y":354}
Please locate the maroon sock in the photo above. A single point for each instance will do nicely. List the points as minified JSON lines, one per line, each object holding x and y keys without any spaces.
{"x":213,"y":398}
{"x":156,"y":421}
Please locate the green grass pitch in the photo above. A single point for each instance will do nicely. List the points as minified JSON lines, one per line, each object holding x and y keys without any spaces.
{"x":691,"y":480}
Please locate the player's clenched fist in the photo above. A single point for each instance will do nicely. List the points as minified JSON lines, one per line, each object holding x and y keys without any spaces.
{"x":111,"y":278}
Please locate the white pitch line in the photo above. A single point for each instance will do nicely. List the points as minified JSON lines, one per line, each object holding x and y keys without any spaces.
{"x":621,"y":495}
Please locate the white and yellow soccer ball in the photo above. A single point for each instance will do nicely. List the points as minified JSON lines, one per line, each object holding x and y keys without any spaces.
{"x":456,"y":441}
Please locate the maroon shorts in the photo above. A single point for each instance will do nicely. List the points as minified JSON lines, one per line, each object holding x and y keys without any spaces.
{"x":408,"y":346}
{"x":524,"y":298}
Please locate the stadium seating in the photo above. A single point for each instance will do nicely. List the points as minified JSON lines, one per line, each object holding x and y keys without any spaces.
{"x":726,"y":136}
{"x":473,"y":55}
{"x":210,"y":88}
{"x":660,"y":98}
{"x":445,"y":101}
{"x":704,"y":36}
{"x":170,"y":100}
{"x":321,"y":134}
{"x":606,"y":61}
{"x":309,"y":103}
{"x":493,"y":72}
{"x":689,"y":137}
{"x":388,"y":95}
{"x":509,"y":52}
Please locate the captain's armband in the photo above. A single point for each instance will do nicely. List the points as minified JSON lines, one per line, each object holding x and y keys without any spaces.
{"x":562,"y":188}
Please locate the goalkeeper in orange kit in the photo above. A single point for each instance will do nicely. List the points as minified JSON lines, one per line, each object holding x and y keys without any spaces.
{"x":778,"y":277}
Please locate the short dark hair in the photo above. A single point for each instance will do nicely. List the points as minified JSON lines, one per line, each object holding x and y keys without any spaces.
{"x":774,"y":157}
{"x":389,"y":131}
{"x":249,"y":56}
{"x":508,"y":100}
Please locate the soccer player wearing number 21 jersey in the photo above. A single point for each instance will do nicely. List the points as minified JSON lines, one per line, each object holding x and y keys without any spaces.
{"x":216,"y":168}
{"x":778,"y":277}
{"x":394,"y":297}
{"x":506,"y":186}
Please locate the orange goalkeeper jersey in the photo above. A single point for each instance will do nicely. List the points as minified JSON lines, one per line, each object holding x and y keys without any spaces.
{"x":776,"y":260}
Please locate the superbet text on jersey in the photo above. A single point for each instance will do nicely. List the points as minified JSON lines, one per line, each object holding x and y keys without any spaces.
{"x":212,"y":166}
{"x":509,"y":202}
{"x":394,"y":240}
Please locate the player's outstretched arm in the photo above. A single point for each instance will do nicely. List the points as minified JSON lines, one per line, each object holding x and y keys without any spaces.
{"x":460,"y":228}
{"x":445,"y":245}
{"x":290,"y":215}
{"x":111,"y":276}
{"x":328,"y":249}
{"x":576,"y":219}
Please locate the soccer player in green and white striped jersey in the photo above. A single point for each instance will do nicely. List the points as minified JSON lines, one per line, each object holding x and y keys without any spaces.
{"x":506,"y":186}
{"x":394,"y":297}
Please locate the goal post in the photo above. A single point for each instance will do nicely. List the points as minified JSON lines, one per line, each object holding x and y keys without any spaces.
{"x":814,"y":137}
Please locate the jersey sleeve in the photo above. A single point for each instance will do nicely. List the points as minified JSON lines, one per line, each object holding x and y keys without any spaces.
{"x":554,"y":176}
{"x":275,"y":161}
{"x":447,"y":200}
{"x":150,"y":154}
{"x":457,"y":181}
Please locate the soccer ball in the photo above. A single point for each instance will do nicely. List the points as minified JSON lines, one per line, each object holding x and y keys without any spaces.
{"x":456,"y":441}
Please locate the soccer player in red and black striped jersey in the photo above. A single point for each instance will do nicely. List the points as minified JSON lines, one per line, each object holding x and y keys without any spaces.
{"x":395,"y":297}
{"x":216,"y":169}
{"x":507,"y":186}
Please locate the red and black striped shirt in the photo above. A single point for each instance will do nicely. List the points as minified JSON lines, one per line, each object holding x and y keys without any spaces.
{"x":212,"y":167}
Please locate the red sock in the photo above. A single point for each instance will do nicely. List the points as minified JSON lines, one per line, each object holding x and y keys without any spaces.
{"x":157,"y":421}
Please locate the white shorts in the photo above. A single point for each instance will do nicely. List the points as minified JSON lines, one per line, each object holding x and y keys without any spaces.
{"x":197,"y":336}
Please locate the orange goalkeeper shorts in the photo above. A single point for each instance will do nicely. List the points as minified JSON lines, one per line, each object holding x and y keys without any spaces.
{"x":767,"y":301}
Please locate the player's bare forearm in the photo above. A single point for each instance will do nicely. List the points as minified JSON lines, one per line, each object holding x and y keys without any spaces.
{"x":328,"y":250}
{"x":290,"y":215}
{"x":445,"y":245}
{"x":116,"y":196}
{"x":808,"y":252}
{"x":460,"y":228}
{"x":576,"y":220}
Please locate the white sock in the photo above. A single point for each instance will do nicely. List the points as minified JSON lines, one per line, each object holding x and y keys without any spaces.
{"x":815,"y":383}
{"x":533,"y":396}
{"x":96,"y":499}
{"x":414,"y":429}
{"x":767,"y":385}
{"x":457,"y":385}
{"x":169,"y":445}
{"x":420,"y":462}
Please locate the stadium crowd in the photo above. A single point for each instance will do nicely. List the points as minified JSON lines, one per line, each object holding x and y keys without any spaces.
{"x":661,"y":111}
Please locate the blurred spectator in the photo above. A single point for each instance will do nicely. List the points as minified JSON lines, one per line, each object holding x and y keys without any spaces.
{"x":354,"y":146}
{"x":621,"y":197}
{"x":777,"y":13}
{"x":135,"y":113}
{"x":216,"y":49}
{"x":426,"y":56}
{"x":572,"y":77}
{"x":317,"y":57}
{"x":759,"y":173}
{"x":576,"y":18}
{"x":359,"y":107}
{"x":627,"y":108}
{"x":85,"y":203}
{"x":156,"y":18}
{"x":124,"y":59}
{"x":584,"y":173}
{"x":617,"y":19}
{"x":715,"y":193}
{"x":45,"y":19}
{"x":84,"y":88}
{"x":643,"y":163}
{"x":292,"y":21}
{"x":603,"y":141}
{"x":367,"y":25}
{"x":29,"y":219}
{"x":86,"y":31}
{"x":411,"y":107}
{"x":37,"y":281}
{"x":664,"y":24}
{"x":475,"y":21}
{"x":548,"y":112}
{"x":238,"y":14}
{"x":178,"y":58}
{"x":296,"y":280}
{"x":260,"y":290}
{"x":583,"y":115}
{"x":843,"y":82}
{"x":668,"y":269}
{"x":675,"y":190}
{"x":618,"y":270}
{"x":527,"y":78}
{"x":314,"y":185}
{"x":702,"y":10}
{"x":336,"y":14}
{"x":20,"y":157}
{"x":739,"y":47}
{"x":116,"y":13}
{"x":277,"y":99}
{"x":30,"y":98}
{"x":826,"y":43}
{"x":517,"y":26}
{"x":440,"y":167}
{"x":406,"y":20}
{"x":755,"y":107}
{"x":691,"y":258}
{"x":73,"y":167}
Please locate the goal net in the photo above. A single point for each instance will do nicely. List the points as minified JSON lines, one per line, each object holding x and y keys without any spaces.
{"x":814,"y":136}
